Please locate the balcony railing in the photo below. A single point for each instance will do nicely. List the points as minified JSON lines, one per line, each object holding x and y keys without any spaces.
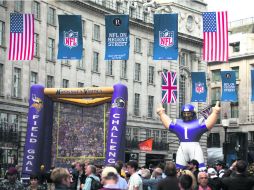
{"x":8,"y":136}
{"x":161,"y":146}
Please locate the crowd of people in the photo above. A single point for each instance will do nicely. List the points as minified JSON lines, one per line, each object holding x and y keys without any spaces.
{"x":129,"y":176}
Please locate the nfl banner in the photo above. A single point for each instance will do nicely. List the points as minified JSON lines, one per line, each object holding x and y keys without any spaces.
{"x":165,"y":37}
{"x":199,"y":89}
{"x":70,"y":44}
{"x":252,"y":85}
{"x":117,"y":37}
{"x":228,"y":86}
{"x":169,"y":87}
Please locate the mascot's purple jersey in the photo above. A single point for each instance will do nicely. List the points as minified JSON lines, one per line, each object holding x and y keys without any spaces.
{"x":188,"y":131}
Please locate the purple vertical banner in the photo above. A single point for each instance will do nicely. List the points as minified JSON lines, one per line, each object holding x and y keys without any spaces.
{"x":117,"y":125}
{"x":47,"y":133}
{"x":32,"y":150}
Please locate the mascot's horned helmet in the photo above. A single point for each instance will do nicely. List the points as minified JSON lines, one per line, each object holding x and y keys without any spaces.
{"x":188,"y":112}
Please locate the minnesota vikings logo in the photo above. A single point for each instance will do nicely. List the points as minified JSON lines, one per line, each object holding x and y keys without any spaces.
{"x":166,"y":38}
{"x":199,"y":87}
{"x":118,"y":103}
{"x":37,"y":103}
{"x":71,"y":39}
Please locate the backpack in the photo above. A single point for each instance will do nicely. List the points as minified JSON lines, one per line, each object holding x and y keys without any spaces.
{"x":95,"y":185}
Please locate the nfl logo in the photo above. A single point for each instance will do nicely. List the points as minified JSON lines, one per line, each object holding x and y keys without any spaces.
{"x":166,"y":38}
{"x":71,"y":39}
{"x":199,"y":87}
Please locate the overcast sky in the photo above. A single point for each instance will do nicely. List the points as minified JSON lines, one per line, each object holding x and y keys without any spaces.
{"x":237,"y":9}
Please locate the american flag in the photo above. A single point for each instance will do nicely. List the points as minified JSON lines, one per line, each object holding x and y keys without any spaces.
{"x":169,"y":87}
{"x":215,"y":33}
{"x":21,"y":37}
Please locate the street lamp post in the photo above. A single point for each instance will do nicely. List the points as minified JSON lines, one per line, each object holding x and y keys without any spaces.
{"x":225,"y":125}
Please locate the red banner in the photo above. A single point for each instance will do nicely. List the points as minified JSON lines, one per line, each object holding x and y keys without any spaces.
{"x":146,"y":145}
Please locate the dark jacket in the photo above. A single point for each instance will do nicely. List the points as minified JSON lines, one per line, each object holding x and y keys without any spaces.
{"x":61,"y":187}
{"x":171,"y":182}
{"x":215,"y":183}
{"x":237,"y":182}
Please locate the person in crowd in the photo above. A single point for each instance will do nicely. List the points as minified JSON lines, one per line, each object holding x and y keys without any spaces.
{"x":213,"y":180}
{"x":135,"y":181}
{"x":193,"y":166}
{"x":34,"y":183}
{"x":220,"y":168}
{"x":145,"y":175}
{"x":203,"y":182}
{"x":11,"y":183}
{"x":238,"y":180}
{"x":185,"y":182}
{"x":155,"y":179}
{"x":109,"y":179}
{"x":122,"y":183}
{"x":171,"y":179}
{"x":91,"y":175}
{"x":61,"y":178}
{"x":79,"y":176}
{"x":189,"y":130}
{"x":194,"y":179}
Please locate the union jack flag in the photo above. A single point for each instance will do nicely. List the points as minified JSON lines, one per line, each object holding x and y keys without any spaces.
{"x":169,"y":87}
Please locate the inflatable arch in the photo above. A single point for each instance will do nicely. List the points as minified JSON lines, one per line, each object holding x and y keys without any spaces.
{"x":37,"y":150}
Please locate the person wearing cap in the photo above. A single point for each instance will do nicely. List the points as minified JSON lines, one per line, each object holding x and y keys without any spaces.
{"x":220,"y":165}
{"x":189,"y":130}
{"x":11,"y":183}
{"x":193,"y":166}
{"x":213,"y":179}
{"x":34,"y":183}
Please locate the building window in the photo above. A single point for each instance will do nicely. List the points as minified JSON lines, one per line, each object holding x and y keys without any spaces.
{"x":36,"y":10}
{"x":150,"y":106}
{"x":148,"y":133}
{"x":17,"y":83}
{"x":216,"y":77}
{"x":2,"y":2}
{"x":95,"y":62}
{"x":84,"y":27}
{"x":145,"y":16}
{"x":81,"y":61}
{"x":137,"y":76}
{"x":182,"y":91}
{"x":110,"y":68}
{"x":164,"y":136}
{"x":34,"y":78}
{"x":36,"y":44}
{"x":183,"y":59}
{"x":51,"y":16}
{"x":135,"y":134}
{"x":50,"y":81}
{"x":151,"y":75}
{"x":213,"y":140}
{"x":18,"y":6}
{"x":96,"y":32}
{"x":2,"y":32}
{"x":215,"y":95}
{"x":80,"y":84}
{"x":138,"y":45}
{"x":234,"y":110}
{"x":124,"y":69}
{"x":139,"y":15}
{"x":236,"y":69}
{"x":136,"y":104}
{"x":236,"y":46}
{"x":65,"y":83}
{"x":51,"y":47}
{"x":131,"y":12}
{"x":1,"y":79}
{"x":150,"y":49}
{"x":118,"y":7}
{"x":156,"y":135}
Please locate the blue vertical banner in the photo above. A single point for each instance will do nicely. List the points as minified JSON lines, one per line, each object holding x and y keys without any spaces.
{"x":199,"y":88}
{"x":117,"y":37}
{"x":33,"y":146}
{"x":228,"y":86}
{"x":165,"y":37}
{"x":70,"y":44}
{"x":252,"y":85}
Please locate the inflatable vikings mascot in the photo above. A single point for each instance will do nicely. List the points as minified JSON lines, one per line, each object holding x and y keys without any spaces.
{"x":189,"y":130}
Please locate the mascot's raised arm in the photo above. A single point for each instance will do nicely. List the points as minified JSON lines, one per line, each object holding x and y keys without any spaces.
{"x":189,"y":130}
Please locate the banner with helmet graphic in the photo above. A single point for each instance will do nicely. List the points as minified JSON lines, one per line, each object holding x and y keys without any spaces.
{"x":70,"y":44}
{"x":199,"y":88}
{"x":165,"y":37}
